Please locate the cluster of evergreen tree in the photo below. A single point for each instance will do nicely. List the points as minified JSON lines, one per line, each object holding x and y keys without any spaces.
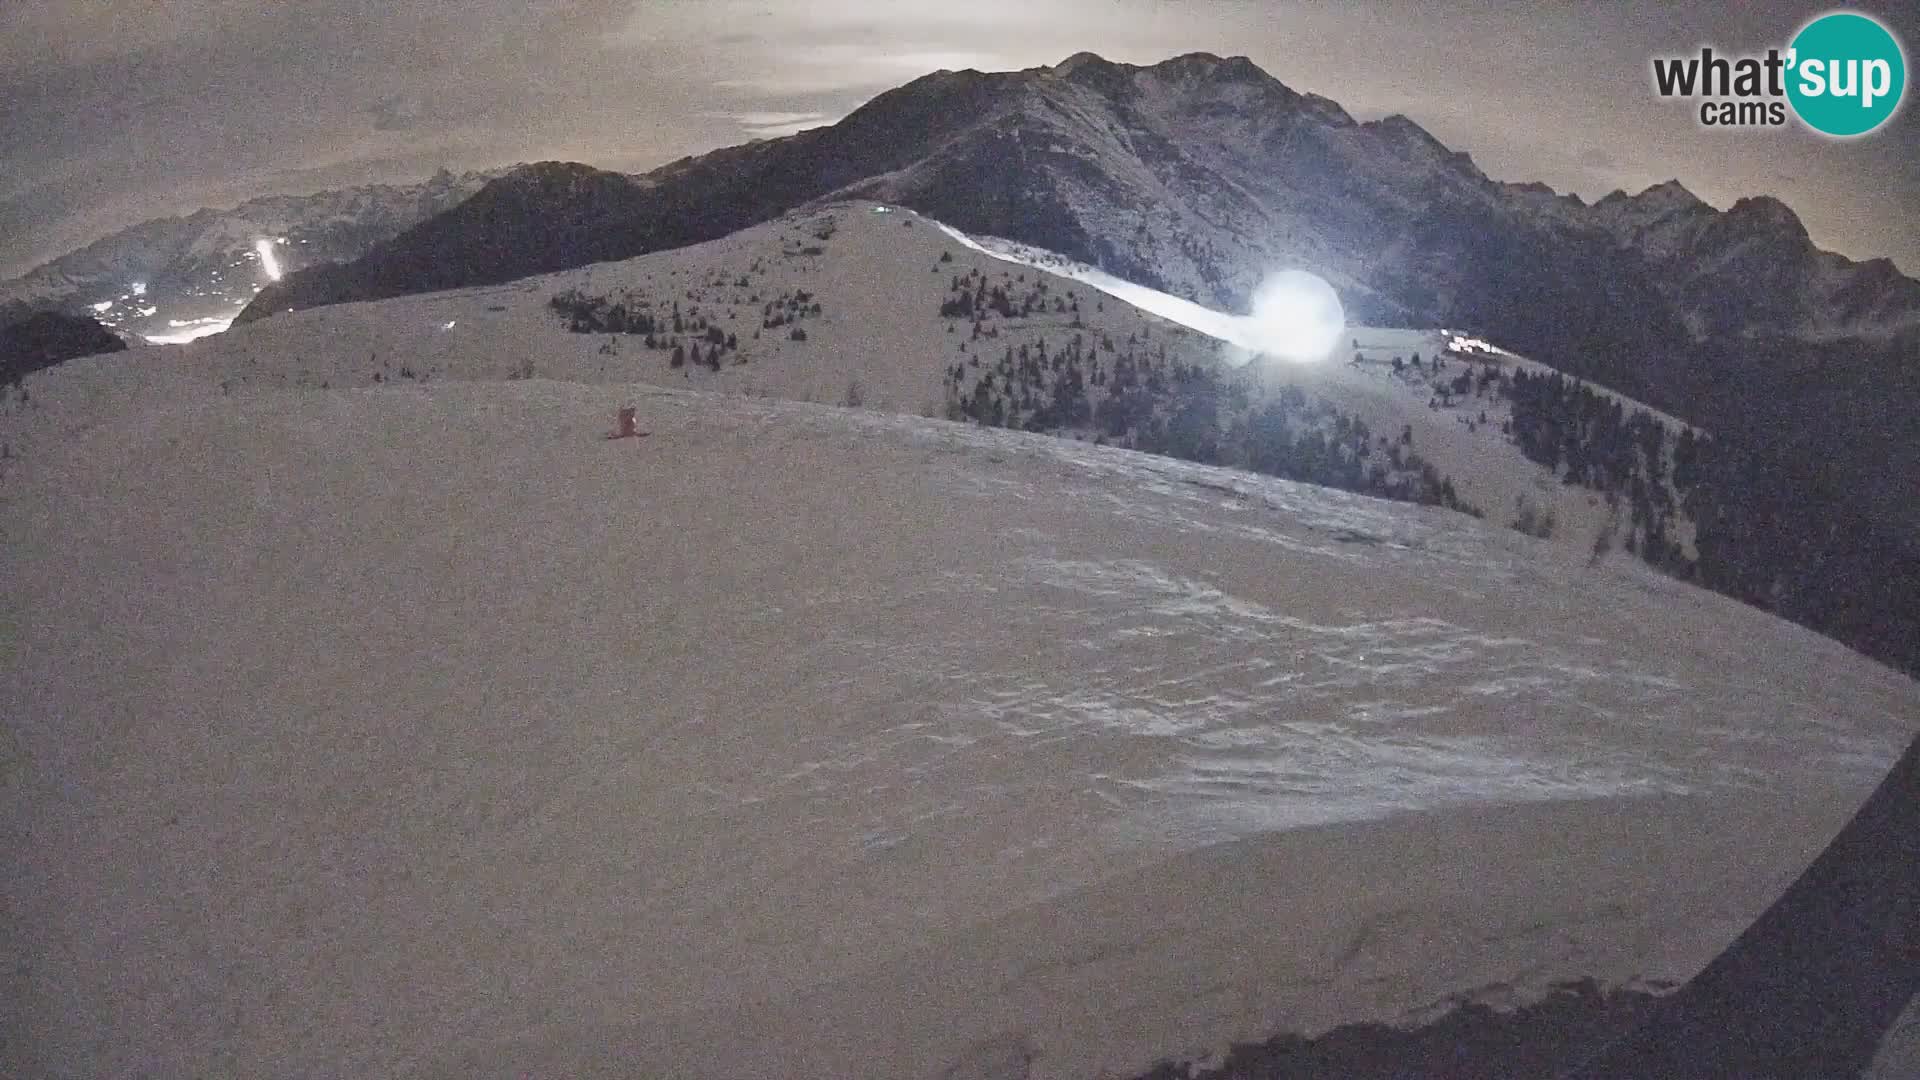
{"x":1772,"y":534}
{"x":1589,"y":440}
{"x":822,"y":230}
{"x":972,"y":296}
{"x":1133,"y":395}
{"x":1768,"y":529}
{"x":687,"y":338}
{"x":788,"y":309}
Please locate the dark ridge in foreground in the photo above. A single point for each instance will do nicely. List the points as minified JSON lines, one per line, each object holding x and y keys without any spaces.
{"x":1815,"y":984}
{"x":50,"y":338}
{"x":1811,"y":989}
{"x":1473,"y":1042}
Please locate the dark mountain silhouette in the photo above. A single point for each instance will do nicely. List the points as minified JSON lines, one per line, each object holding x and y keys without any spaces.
{"x":49,"y":338}
{"x":1814,"y":985}
{"x":1811,"y":989}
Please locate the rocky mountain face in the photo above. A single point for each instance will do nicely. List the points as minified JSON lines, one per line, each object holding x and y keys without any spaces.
{"x":1196,"y":175}
{"x":1748,"y":271}
{"x":164,"y":275}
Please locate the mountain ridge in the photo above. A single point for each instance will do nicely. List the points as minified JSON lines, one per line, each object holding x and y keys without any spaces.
{"x":200,"y":268}
{"x":1074,"y":156}
{"x":1199,"y":175}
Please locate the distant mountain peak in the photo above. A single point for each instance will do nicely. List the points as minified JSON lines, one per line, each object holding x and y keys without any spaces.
{"x":172,"y":274}
{"x":1409,"y":137}
{"x":550,"y":171}
{"x":1091,"y":67}
{"x":1212,"y":63}
{"x":1665,"y":196}
{"x":1193,"y":175}
{"x":1095,"y":71}
{"x":1402,"y":127}
{"x":1670,"y":193}
{"x":1083,"y":61}
{"x":1768,"y":212}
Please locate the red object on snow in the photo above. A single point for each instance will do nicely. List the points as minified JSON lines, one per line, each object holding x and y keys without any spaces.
{"x":626,"y":427}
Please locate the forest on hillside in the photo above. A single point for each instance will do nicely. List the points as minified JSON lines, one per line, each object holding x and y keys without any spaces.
{"x":1768,"y":529}
{"x":1133,"y":393}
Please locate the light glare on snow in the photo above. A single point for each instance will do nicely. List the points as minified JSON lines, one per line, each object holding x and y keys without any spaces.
{"x":1296,"y":315}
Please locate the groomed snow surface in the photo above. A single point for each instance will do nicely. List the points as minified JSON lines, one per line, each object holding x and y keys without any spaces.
{"x":422,"y":731}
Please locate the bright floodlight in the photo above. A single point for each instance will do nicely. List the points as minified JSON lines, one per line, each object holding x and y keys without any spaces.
{"x":1296,"y":316}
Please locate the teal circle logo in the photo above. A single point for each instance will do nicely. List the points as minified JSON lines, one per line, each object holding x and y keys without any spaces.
{"x":1847,"y":74}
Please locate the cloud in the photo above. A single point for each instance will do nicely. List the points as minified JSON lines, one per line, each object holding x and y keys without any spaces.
{"x":394,"y":112}
{"x":122,"y":110}
{"x":1596,"y":157}
{"x":830,"y":68}
{"x":773,"y":125}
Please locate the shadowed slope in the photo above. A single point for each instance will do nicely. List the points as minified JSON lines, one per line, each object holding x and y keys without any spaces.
{"x":1813,"y":987}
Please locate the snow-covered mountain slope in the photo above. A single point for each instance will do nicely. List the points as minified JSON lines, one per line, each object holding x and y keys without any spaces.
{"x":1380,"y":380}
{"x":172,"y":276}
{"x":880,"y":276}
{"x":421,"y":730}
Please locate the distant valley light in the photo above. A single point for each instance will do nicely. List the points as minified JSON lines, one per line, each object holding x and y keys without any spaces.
{"x":185,"y":330}
{"x":267,"y":261}
{"x":1464,"y":344}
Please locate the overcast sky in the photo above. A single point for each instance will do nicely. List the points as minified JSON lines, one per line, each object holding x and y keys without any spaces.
{"x":122,"y":110}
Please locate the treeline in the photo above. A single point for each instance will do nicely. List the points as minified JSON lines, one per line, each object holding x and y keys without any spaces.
{"x":1589,"y":440}
{"x":1131,"y":394}
{"x":688,"y":337}
{"x":972,"y":297}
{"x":1771,"y":534}
{"x":1136,"y":397}
{"x":1767,"y":530}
